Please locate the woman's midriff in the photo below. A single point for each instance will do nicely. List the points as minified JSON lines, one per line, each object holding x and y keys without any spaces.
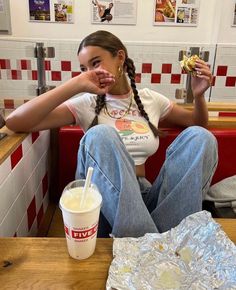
{"x":140,"y":170}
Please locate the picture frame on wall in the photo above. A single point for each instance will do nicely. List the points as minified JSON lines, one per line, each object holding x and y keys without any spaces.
{"x":56,"y":11}
{"x":176,"y":12}
{"x":234,"y":14}
{"x":109,"y":12}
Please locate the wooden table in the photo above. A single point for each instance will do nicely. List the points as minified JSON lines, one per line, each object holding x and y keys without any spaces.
{"x":43,"y":263}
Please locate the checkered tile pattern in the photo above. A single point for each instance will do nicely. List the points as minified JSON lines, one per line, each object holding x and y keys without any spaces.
{"x":66,"y":71}
{"x":24,"y":184}
{"x":157,"y":67}
{"x":222,"y":76}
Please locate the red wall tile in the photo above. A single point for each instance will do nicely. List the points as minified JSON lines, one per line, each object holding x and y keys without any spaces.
{"x":56,"y":75}
{"x":16,"y":156}
{"x":66,"y":66}
{"x":221,"y":70}
{"x":4,"y":64}
{"x":156,"y":78}
{"x":166,"y":68}
{"x":75,"y":73}
{"x":138,"y":78}
{"x":25,"y":64}
{"x":45,"y":184}
{"x":146,"y":68}
{"x":34,"y":136}
{"x":9,"y":104}
{"x":230,"y":82}
{"x":175,"y":78}
{"x":34,"y":75}
{"x":31,"y":213}
{"x":47,"y":64}
{"x":16,"y":74}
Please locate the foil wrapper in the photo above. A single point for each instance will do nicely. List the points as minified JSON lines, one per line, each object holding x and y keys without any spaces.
{"x":197,"y":254}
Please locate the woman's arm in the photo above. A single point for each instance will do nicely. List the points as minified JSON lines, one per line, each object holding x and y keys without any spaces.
{"x":199,"y":115}
{"x":48,"y":111}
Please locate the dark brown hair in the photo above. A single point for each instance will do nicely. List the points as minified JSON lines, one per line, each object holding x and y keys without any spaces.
{"x":113,"y":44}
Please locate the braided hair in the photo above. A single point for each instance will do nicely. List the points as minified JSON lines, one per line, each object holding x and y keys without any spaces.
{"x":113,"y":44}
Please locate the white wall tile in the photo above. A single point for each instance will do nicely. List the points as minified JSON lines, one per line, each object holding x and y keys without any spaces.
{"x":39,"y":197}
{"x":220,"y":81}
{"x":5,"y":169}
{"x":7,"y":196}
{"x":27,"y":142}
{"x":22,"y":230}
{"x":1,"y":230}
{"x":19,"y":176}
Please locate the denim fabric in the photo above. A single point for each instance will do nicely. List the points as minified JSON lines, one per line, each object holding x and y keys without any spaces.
{"x":133,"y":206}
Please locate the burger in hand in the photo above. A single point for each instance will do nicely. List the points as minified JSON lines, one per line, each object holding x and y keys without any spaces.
{"x":188,"y":64}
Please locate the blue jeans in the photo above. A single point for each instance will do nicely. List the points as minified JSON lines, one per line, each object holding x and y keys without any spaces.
{"x":133,"y":206}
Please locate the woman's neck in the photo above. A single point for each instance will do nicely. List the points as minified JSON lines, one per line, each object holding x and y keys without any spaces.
{"x":120,"y":88}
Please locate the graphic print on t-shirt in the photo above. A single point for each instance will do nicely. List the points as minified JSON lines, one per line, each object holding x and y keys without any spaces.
{"x":127,"y":127}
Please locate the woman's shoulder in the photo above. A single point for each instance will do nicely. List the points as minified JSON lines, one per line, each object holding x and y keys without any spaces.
{"x":83,"y":98}
{"x":147,"y":93}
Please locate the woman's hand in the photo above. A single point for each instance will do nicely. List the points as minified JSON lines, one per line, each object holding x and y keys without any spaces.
{"x":203,"y":79}
{"x":96,"y":81}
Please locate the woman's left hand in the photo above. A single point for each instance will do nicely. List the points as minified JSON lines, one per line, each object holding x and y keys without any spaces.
{"x":202,"y":80}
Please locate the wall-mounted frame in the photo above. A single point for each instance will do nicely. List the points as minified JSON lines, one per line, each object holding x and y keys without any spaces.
{"x":5,"y":17}
{"x":114,"y":11}
{"x":56,"y":11}
{"x":176,"y":12}
{"x":234,"y":13}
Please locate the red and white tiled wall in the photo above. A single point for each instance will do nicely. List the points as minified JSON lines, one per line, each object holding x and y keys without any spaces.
{"x":24,"y":182}
{"x":157,"y":67}
{"x":224,"y":89}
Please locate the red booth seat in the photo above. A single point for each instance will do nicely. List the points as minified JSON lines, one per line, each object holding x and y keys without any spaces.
{"x":69,"y":138}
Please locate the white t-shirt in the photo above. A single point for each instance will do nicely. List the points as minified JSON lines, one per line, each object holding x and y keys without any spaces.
{"x":132,"y":127}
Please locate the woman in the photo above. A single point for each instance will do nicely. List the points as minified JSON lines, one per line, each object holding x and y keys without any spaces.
{"x":127,"y":135}
{"x":103,"y":12}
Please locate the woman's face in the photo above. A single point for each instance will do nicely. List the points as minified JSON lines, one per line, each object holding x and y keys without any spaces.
{"x":94,"y":57}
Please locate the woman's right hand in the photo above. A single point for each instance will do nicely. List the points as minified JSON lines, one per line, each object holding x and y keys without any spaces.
{"x":96,"y":81}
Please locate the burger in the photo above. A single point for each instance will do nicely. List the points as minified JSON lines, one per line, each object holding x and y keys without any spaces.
{"x":188,"y":63}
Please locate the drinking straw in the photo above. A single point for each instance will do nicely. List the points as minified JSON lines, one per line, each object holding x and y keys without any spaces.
{"x":86,"y":186}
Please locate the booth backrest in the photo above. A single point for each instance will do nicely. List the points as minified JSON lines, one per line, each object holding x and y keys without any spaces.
{"x":69,"y":139}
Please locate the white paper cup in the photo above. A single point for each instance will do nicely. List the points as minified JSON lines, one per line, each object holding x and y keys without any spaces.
{"x":80,"y":224}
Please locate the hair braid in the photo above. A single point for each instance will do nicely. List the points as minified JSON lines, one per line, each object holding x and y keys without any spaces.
{"x":131,"y":73}
{"x":100,"y":103}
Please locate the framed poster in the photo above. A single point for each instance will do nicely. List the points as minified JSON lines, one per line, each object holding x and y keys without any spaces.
{"x":114,"y":11}
{"x":234,"y":13}
{"x":176,"y":12}
{"x":51,"y":11}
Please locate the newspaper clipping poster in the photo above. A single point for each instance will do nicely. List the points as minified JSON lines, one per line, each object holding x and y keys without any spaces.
{"x":114,"y":11}
{"x":234,"y":14}
{"x":176,"y":12}
{"x":51,"y":11}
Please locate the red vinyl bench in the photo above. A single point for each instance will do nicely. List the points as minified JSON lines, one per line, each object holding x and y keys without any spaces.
{"x":69,"y":139}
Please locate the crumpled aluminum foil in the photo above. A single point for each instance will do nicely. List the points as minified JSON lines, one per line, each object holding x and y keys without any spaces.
{"x":197,"y":254}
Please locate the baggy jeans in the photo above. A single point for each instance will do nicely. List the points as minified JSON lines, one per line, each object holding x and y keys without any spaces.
{"x":133,"y":206}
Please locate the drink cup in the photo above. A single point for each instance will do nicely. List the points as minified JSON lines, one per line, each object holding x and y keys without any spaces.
{"x":80,"y":224}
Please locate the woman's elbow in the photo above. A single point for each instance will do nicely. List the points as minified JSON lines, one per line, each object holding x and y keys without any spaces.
{"x":16,"y":125}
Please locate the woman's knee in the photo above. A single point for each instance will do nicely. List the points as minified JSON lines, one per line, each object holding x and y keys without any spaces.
{"x":204,"y":141}
{"x":100,"y":134}
{"x":195,"y":140}
{"x":202,"y":136}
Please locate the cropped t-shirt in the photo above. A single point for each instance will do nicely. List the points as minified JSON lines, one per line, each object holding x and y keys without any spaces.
{"x":131,"y":126}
